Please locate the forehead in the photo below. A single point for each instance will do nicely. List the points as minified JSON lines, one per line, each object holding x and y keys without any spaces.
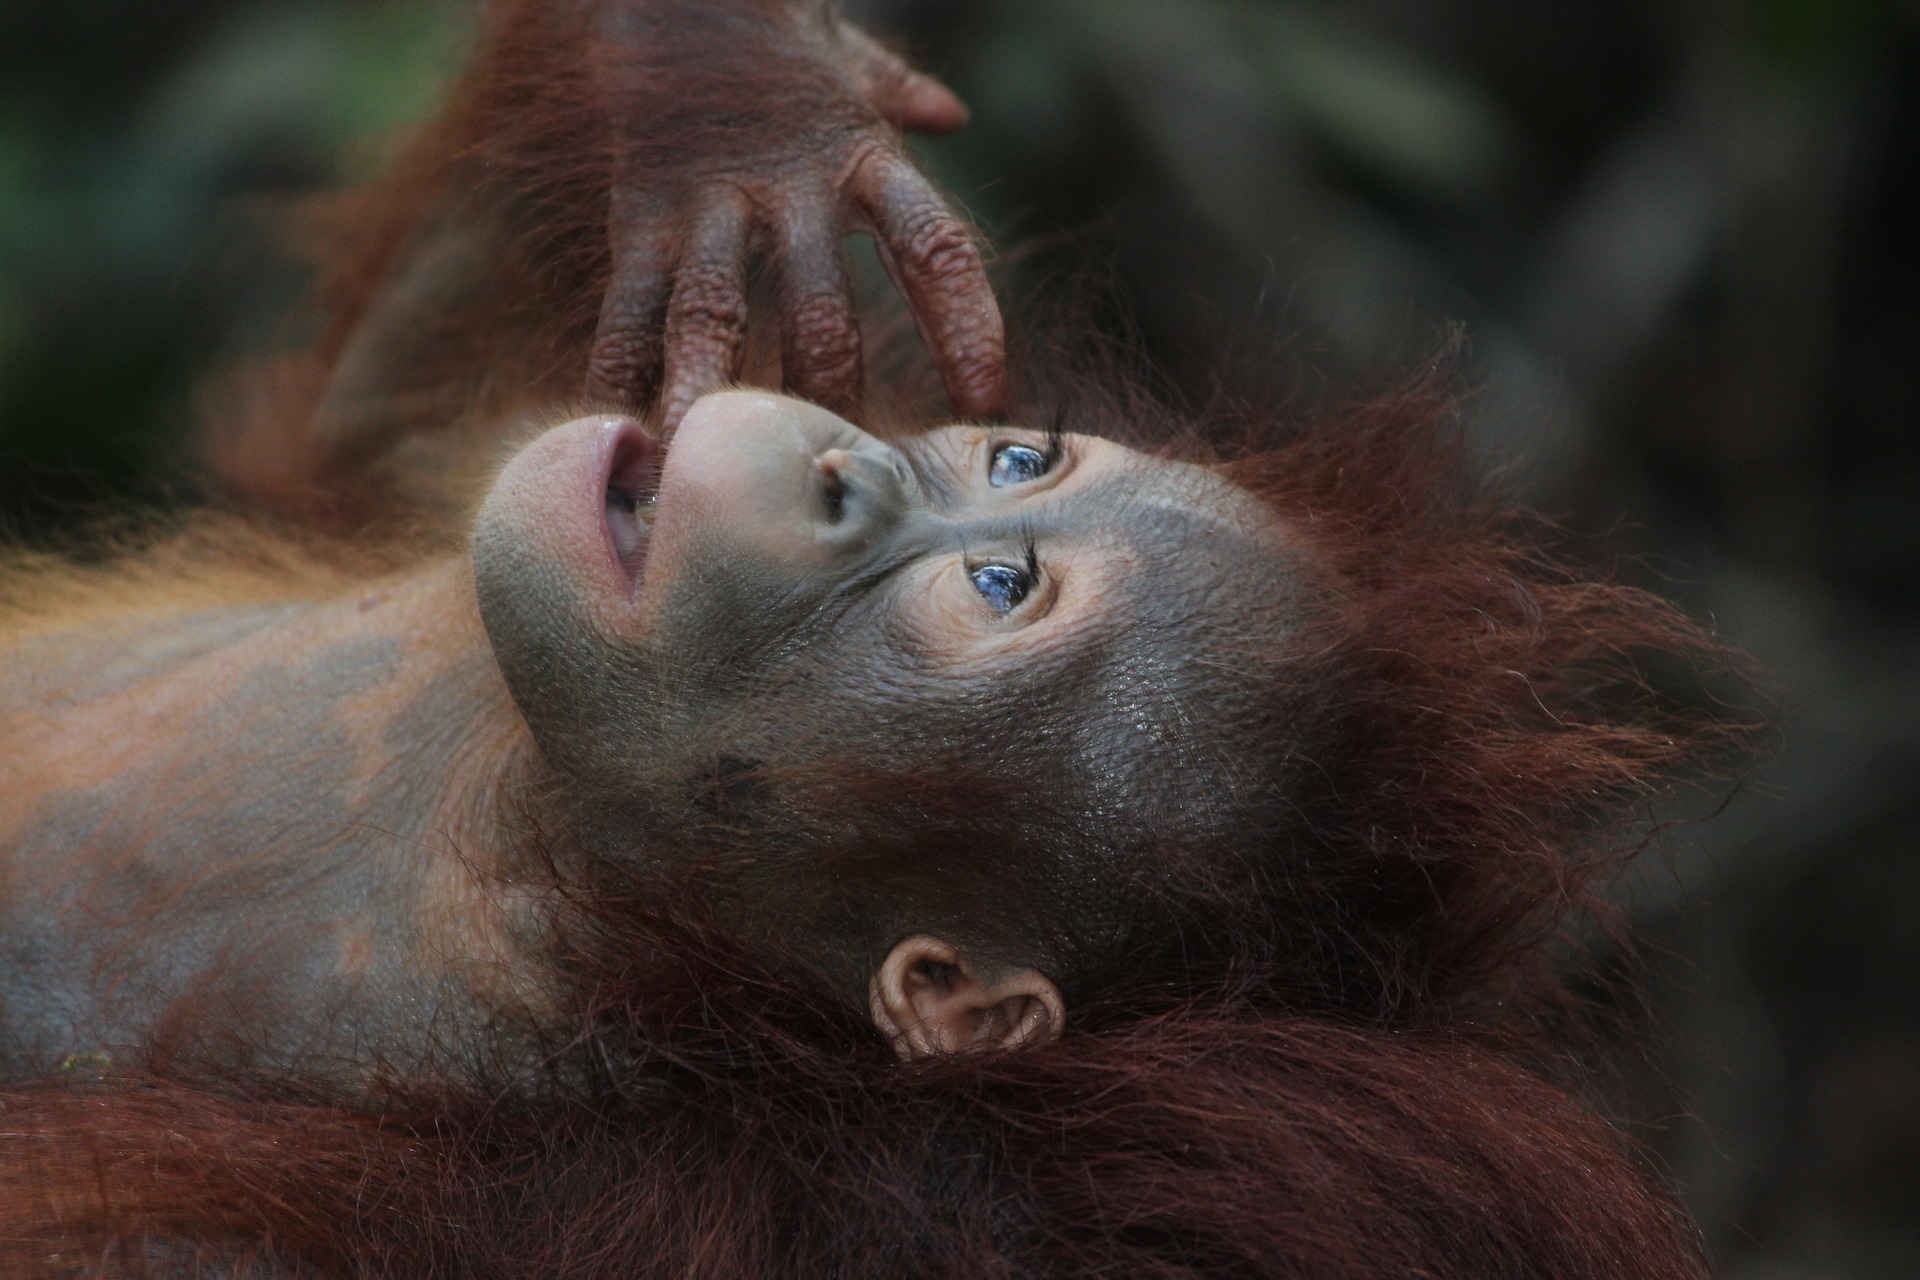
{"x":1176,"y":597}
{"x":1180,"y":593}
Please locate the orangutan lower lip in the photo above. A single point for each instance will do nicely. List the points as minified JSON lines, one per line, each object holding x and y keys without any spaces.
{"x":630,"y":471}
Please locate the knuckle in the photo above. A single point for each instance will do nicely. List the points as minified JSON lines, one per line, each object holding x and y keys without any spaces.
{"x":822,"y":354}
{"x":700,"y":361}
{"x":717,"y":320}
{"x":617,"y":348}
{"x":940,"y":249}
{"x":823,"y":325}
{"x":610,"y":368}
{"x":976,"y":373}
{"x":621,"y":362}
{"x":708,"y":308}
{"x":864,"y":160}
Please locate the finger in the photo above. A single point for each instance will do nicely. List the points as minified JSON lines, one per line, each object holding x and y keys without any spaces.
{"x":820,"y":339}
{"x":707,"y":317}
{"x":921,"y":103}
{"x":907,"y":98}
{"x":934,"y":259}
{"x":623,"y":367}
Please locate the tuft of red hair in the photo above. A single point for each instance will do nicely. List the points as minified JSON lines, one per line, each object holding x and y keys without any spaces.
{"x":1497,"y":718}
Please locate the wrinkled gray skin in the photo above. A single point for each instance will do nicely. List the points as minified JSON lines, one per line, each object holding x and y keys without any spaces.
{"x":806,"y":602}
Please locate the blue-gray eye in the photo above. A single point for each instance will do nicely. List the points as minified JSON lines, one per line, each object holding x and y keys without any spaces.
{"x":1001,"y":585}
{"x":1016,"y":464}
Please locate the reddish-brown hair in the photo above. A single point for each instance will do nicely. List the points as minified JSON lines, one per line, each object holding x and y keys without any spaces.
{"x":1329,"y":1071}
{"x":1473,"y":721}
{"x":756,"y":1134}
{"x":1321,"y":1061}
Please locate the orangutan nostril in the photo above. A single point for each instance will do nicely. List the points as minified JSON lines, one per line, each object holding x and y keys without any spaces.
{"x":833,"y":487}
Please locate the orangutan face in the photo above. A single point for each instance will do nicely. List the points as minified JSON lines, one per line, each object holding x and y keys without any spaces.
{"x":1057,"y":633}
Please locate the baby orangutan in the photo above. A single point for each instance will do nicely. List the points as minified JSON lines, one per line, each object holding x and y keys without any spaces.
{"x":965,"y":690}
{"x":781,"y":848}
{"x":353,"y":925}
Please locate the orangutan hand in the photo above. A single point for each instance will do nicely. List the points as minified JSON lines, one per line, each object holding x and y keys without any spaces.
{"x":771,"y":127}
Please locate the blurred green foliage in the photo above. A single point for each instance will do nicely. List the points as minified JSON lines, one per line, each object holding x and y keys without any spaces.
{"x":1805,"y":36}
{"x":140,"y":145}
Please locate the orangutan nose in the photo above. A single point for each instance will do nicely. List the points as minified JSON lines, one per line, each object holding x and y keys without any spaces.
{"x":859,"y":494}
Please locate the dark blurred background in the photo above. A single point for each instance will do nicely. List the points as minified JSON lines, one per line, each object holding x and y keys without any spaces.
{"x":1684,"y":238}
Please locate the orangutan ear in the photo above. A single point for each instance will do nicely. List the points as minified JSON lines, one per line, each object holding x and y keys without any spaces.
{"x":928,"y":999}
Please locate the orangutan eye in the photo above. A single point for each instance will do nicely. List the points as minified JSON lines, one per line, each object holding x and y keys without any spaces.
{"x":1016,"y":464}
{"x":1002,"y":585}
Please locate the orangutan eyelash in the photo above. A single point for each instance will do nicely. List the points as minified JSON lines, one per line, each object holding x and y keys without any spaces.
{"x":1056,"y":437}
{"x":1004,"y":592}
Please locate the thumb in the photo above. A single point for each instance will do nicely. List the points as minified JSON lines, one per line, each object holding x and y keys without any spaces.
{"x":907,"y":98}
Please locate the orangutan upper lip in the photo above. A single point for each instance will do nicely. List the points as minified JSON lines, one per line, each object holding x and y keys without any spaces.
{"x":632,"y":482}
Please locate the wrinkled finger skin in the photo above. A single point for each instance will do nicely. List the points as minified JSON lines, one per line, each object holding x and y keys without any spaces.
{"x":574,"y":234}
{"x":932,"y":255}
{"x":772,"y":127}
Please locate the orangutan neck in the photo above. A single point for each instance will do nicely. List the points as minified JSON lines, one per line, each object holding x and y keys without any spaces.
{"x":361,"y":709}
{"x":291,"y":811}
